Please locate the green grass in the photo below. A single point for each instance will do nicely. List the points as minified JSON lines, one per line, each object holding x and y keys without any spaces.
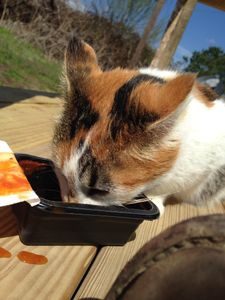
{"x":23,"y":66}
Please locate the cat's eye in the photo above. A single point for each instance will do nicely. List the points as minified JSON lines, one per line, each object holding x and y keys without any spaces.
{"x":92,"y":192}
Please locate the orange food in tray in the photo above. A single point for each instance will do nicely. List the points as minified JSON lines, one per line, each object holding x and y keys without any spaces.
{"x":14,"y":186}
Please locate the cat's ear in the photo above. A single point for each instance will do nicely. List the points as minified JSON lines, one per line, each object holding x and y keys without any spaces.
{"x":80,"y":63}
{"x":172,"y":96}
{"x":149,"y":104}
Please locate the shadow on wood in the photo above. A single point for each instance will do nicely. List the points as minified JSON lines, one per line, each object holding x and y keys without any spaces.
{"x":8,"y":223}
{"x":9,"y":95}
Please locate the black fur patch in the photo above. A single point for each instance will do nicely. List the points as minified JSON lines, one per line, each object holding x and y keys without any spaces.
{"x":88,"y":169}
{"x":214,"y":185}
{"x":78,"y":114}
{"x":208,"y":92}
{"x":92,"y":175}
{"x":75,"y":47}
{"x":123,"y":114}
{"x":84,"y":117}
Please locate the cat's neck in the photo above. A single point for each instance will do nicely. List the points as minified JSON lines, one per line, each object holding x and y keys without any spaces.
{"x":202,"y":125}
{"x":200,"y":132}
{"x":202,"y":135}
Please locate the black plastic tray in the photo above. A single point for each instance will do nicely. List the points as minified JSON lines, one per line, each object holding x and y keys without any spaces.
{"x":53,"y":222}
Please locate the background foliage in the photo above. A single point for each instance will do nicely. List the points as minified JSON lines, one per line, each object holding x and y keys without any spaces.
{"x":48,"y":25}
{"x":209,"y":61}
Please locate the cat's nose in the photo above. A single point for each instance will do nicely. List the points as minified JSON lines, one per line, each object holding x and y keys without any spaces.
{"x":93,"y":192}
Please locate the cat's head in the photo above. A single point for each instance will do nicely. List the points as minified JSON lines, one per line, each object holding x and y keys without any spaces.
{"x":111,"y":141}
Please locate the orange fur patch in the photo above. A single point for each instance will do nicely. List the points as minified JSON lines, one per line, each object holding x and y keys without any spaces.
{"x":135,"y":172}
{"x":65,"y":148}
{"x":102,"y":87}
{"x":80,"y":65}
{"x":92,"y":60}
{"x":164,"y":99}
{"x":101,"y":91}
{"x":61,"y":153}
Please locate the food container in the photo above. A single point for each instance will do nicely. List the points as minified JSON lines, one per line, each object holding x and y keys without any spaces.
{"x":53,"y":222}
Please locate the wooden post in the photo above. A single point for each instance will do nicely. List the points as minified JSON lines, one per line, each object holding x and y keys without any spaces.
{"x":173,"y":33}
{"x":147,"y":31}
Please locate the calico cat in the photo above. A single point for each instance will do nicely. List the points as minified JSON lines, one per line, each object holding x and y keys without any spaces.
{"x":126,"y":132}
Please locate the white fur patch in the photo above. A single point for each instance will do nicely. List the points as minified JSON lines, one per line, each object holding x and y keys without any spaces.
{"x":70,"y":168}
{"x":201,"y":132}
{"x":158,"y":201}
{"x":163,"y":74}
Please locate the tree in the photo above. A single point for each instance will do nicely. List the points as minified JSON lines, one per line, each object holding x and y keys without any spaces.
{"x":209,"y":61}
{"x":133,"y":14}
{"x":129,"y":12}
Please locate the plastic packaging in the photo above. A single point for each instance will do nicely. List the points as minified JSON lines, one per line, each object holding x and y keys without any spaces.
{"x":14,"y":186}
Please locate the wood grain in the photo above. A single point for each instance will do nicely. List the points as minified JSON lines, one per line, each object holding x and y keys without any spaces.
{"x":27,"y":127}
{"x":219,"y":4}
{"x":111,"y":260}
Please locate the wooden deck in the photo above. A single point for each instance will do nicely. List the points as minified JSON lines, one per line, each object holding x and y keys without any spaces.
{"x":26,"y":121}
{"x":27,"y":127}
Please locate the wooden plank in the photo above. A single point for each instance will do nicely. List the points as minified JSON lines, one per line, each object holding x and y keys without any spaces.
{"x":111,"y":260}
{"x":219,"y":4}
{"x":27,"y":127}
{"x":57,"y":279}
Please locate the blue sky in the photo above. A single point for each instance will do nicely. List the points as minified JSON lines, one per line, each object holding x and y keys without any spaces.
{"x":206,"y":28}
